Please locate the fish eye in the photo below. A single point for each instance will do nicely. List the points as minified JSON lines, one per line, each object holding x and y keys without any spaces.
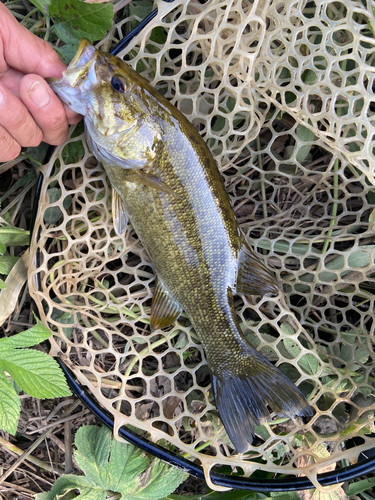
{"x":118,"y":84}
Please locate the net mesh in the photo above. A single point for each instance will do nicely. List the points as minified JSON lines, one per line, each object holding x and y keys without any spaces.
{"x":283,"y":94}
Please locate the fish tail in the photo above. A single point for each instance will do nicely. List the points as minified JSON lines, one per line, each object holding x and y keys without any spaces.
{"x":243,"y":391}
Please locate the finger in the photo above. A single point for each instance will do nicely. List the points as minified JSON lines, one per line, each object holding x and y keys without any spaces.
{"x":9,"y":148}
{"x":72,"y":116}
{"x":17,"y":121}
{"x":24,"y":51}
{"x":45,"y":107}
{"x":11,"y":80}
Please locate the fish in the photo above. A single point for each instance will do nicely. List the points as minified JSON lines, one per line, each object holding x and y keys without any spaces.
{"x":166,"y":182}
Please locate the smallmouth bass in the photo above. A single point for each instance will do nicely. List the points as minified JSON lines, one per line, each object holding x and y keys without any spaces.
{"x":165,"y":180}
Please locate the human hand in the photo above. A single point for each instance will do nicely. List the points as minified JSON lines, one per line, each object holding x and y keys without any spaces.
{"x":29,"y":111}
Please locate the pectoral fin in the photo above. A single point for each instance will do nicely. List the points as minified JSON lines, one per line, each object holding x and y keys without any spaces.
{"x":164,"y":309}
{"x":253,"y":277}
{"x":119,"y":214}
{"x":150,"y":180}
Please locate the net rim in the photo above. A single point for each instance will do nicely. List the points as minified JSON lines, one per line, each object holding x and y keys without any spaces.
{"x":291,"y":483}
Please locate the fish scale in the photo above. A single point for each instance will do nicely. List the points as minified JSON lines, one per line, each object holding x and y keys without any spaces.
{"x":166,"y":181}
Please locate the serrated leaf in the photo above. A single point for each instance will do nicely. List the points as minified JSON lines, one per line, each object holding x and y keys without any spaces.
{"x":82,"y":20}
{"x":10,"y":406}
{"x":6,"y":263}
{"x":124,"y":465}
{"x":159,"y":480}
{"x":35,"y":372}
{"x":70,"y":482}
{"x":115,"y":467}
{"x":93,"y":447}
{"x":309,"y":364}
{"x":28,"y":338}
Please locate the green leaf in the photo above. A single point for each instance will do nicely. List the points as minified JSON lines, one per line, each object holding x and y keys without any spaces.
{"x":93,"y":447}
{"x":309,"y":364}
{"x":305,"y":135}
{"x":116,"y":467}
{"x":124,"y":465}
{"x":53,"y":214}
{"x":42,"y":5}
{"x":73,"y":152}
{"x":371,"y":219}
{"x":82,"y":20}
{"x":37,"y":155}
{"x":360,"y":486}
{"x":10,"y":406}
{"x":66,"y":52}
{"x":35,"y":372}
{"x":25,"y":179}
{"x":65,"y":36}
{"x":70,"y":482}
{"x":159,"y":480}
{"x":141,"y":9}
{"x":28,"y":338}
{"x":6,"y":263}
{"x":2,"y":285}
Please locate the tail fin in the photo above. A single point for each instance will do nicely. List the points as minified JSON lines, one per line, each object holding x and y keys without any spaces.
{"x":243,"y":392}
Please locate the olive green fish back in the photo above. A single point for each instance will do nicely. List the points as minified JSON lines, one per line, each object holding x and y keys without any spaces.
{"x":282,"y":94}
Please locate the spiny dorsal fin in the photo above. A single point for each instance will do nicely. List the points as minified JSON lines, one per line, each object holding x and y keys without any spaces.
{"x":164,"y":309}
{"x":253,"y":277}
{"x":119,"y":214}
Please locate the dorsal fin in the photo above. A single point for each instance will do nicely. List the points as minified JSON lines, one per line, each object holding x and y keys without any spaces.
{"x":119,"y":214}
{"x":164,"y":309}
{"x":253,"y":277}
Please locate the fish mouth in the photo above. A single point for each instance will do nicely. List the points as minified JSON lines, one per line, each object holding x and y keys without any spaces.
{"x":75,"y":78}
{"x":84,"y":54}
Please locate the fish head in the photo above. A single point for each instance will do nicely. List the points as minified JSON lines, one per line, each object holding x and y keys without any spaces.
{"x":101,"y":88}
{"x":119,"y":107}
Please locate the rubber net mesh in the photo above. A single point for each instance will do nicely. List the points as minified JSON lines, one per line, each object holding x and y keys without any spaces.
{"x":283,"y":94}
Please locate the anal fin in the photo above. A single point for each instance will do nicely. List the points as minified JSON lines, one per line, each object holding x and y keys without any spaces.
{"x":164,"y":309}
{"x":119,"y":214}
{"x":253,"y":277}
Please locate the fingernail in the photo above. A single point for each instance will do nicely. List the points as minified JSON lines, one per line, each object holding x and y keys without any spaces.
{"x":39,"y":94}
